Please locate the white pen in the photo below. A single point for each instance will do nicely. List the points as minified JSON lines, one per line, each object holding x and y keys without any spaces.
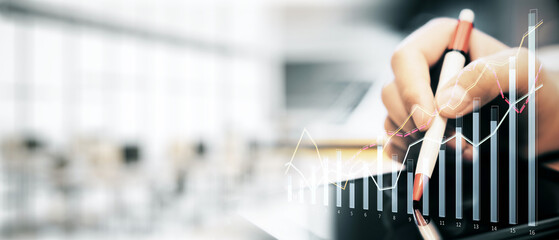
{"x":453,"y":62}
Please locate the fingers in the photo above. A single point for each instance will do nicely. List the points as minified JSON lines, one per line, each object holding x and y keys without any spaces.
{"x":395,"y":145}
{"x":397,"y":112}
{"x":400,"y":142}
{"x":468,"y":152}
{"x":485,"y":79}
{"x":397,"y":121}
{"x":411,"y":62}
{"x":482,"y":45}
{"x":419,"y":51}
{"x":392,"y":150}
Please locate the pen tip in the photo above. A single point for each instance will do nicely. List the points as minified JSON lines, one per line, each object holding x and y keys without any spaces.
{"x":418,"y":186}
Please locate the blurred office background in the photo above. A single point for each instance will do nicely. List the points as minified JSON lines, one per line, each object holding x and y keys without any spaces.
{"x":160,"y":119}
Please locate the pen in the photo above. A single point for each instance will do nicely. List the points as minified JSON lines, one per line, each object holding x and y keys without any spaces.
{"x":427,"y":229}
{"x":453,"y":62}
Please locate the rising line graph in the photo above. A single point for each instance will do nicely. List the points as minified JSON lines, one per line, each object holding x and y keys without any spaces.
{"x":486,"y":66}
{"x":343,"y":186}
{"x":512,"y":106}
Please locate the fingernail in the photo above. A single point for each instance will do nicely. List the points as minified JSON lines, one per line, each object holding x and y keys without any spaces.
{"x":453,"y":99}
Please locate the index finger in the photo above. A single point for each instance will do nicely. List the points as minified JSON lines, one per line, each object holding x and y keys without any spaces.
{"x":411,"y":62}
{"x":421,"y":50}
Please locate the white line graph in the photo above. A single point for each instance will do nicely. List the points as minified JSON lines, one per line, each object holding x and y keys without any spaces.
{"x":291,"y":165}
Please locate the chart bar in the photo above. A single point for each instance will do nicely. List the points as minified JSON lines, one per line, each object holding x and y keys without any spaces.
{"x":475,"y":161}
{"x":458,"y":182}
{"x":409,"y":170}
{"x":326,"y":182}
{"x":352,"y":194}
{"x":493,"y":165}
{"x":425,"y":196}
{"x":313,"y":186}
{"x":442,"y":181}
{"x":365,"y":189}
{"x":301,"y":191}
{"x":289,"y":189}
{"x":532,"y":118}
{"x":512,"y":141}
{"x":395,"y":184}
{"x":339,"y":178}
{"x":379,"y":174}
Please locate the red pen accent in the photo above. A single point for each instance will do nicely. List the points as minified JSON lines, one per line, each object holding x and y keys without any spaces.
{"x":418,"y":186}
{"x":461,"y":38}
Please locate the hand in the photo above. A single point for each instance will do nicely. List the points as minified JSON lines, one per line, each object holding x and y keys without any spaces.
{"x":412,"y":85}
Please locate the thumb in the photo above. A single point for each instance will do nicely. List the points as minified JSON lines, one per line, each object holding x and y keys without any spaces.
{"x":485,"y":78}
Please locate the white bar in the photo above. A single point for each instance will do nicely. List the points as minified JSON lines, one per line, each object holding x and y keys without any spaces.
{"x":394,"y":184}
{"x":532,"y":119}
{"x":326,"y":182}
{"x":512,"y":141}
{"x":442,"y":182}
{"x":339,"y":178}
{"x":313,"y":186}
{"x":301,"y":191}
{"x":458,"y":167}
{"x":289,"y":189}
{"x":409,"y":168}
{"x":493,"y":166}
{"x":352,"y":194}
{"x":475,"y":160}
{"x":365,"y":189}
{"x":425,"y":211}
{"x":379,"y":174}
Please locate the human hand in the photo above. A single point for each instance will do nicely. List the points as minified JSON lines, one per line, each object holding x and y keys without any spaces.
{"x":411,"y":91}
